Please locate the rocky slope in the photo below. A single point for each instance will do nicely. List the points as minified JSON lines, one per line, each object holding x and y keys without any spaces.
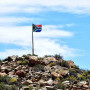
{"x":36,"y":73}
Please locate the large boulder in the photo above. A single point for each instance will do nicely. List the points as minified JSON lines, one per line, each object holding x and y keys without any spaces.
{"x":71,"y":63}
{"x":21,"y":73}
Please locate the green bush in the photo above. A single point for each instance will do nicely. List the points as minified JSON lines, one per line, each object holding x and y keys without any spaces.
{"x":23,"y":62}
{"x":72,"y":78}
{"x":64,"y":63}
{"x":2,"y":86}
{"x":30,"y":88}
{"x":47,"y":56}
{"x":13,"y":87}
{"x":3,"y":78}
{"x":61,"y":86}
{"x":38,"y":67}
{"x":13,"y":80}
{"x":52,"y":64}
{"x":58,"y":56}
{"x":40,"y":58}
{"x":77,"y":67}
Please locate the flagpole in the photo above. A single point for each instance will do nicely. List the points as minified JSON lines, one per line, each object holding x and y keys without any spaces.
{"x":32,"y":41}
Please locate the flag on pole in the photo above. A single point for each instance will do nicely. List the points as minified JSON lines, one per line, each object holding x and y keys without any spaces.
{"x":37,"y":28}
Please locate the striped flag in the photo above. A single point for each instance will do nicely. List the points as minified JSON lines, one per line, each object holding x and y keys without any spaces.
{"x":37,"y":28}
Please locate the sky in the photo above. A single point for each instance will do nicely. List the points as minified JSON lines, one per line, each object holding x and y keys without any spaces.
{"x":65,"y":29}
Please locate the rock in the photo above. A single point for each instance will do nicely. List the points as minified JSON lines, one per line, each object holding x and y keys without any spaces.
{"x":85,"y":86}
{"x":49,"y":82}
{"x":51,"y":59}
{"x":14,"y":57}
{"x":28,"y":82}
{"x":11,"y":73}
{"x":81,"y":83}
{"x":20,"y":73}
{"x":25,"y":88}
{"x":66,"y":82}
{"x":50,"y":88}
{"x":3,"y":74}
{"x":71,"y":63}
{"x":8,"y":59}
{"x":33,"y":62}
{"x":34,"y":57}
{"x":64,"y":73}
{"x":54,"y":74}
{"x":42,"y":82}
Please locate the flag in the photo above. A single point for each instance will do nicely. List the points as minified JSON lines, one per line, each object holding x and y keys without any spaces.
{"x":37,"y":28}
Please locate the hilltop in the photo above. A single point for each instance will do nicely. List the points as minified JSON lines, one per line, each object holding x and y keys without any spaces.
{"x":36,"y":73}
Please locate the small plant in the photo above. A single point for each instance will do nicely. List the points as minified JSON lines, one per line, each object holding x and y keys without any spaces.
{"x":64,"y":63}
{"x":38,"y":67}
{"x":77,"y":67}
{"x":13,"y":87}
{"x":40,"y":58}
{"x":13,"y":80}
{"x":3,"y":78}
{"x":2,"y":85}
{"x":61,"y":86}
{"x":52,"y":64}
{"x":58,"y":56}
{"x":58,"y":78}
{"x":30,"y":88}
{"x":72,"y":78}
{"x":23,"y":62}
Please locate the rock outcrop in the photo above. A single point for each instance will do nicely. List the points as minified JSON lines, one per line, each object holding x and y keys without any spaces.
{"x":48,"y":73}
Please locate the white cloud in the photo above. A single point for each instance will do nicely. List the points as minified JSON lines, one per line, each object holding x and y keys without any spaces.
{"x":34,"y":6}
{"x":22,"y":35}
{"x":44,"y":44}
{"x":9,"y":21}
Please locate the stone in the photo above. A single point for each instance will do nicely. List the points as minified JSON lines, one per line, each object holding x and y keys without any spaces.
{"x":54,"y":74}
{"x":82,"y":83}
{"x":66,"y":82}
{"x":3,"y":74}
{"x":50,"y":87}
{"x":20,"y":73}
{"x":34,"y":57}
{"x":71,"y":63}
{"x":42,"y":82}
{"x":28,"y":82}
{"x":11,"y":73}
{"x":51,"y":59}
{"x":49,"y":82}
{"x":85,"y":86}
{"x":25,"y":88}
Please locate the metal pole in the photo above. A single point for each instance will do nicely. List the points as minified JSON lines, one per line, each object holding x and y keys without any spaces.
{"x":32,"y":42}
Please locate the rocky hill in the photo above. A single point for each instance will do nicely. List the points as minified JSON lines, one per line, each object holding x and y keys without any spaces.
{"x":47,"y":73}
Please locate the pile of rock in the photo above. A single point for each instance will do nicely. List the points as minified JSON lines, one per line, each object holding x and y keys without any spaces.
{"x":31,"y":71}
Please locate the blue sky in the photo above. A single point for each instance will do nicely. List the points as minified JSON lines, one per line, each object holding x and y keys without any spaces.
{"x":65,"y":28}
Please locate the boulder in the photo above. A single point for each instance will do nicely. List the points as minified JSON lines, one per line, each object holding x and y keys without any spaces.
{"x":54,"y":74}
{"x":49,"y":82}
{"x":3,"y":74}
{"x":81,"y":83}
{"x":20,"y":73}
{"x":71,"y":63}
